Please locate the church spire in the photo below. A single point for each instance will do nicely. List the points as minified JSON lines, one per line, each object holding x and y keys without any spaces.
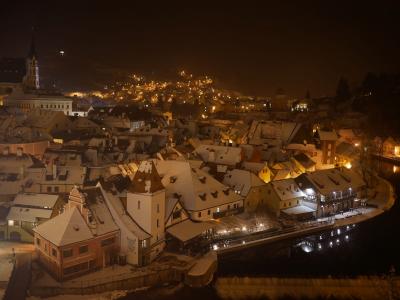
{"x":32,"y":49}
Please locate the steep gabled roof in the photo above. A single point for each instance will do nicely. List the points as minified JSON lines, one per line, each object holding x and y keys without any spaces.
{"x":146,"y":179}
{"x":66,"y":228}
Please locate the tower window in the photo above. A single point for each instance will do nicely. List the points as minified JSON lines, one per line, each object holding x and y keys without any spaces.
{"x":138,"y":205}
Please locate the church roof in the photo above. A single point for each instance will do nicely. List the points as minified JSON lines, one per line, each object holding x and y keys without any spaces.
{"x":12,"y":70}
{"x":146,"y":179}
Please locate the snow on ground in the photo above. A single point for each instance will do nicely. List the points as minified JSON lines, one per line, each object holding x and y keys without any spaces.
{"x":104,"y":296}
{"x":6,"y":256}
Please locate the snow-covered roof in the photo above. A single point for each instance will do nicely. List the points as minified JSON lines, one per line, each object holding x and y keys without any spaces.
{"x":18,"y":213}
{"x":38,"y":200}
{"x":170,"y":203}
{"x":325,"y":135}
{"x":220,"y":154}
{"x":331,"y":180}
{"x":299,"y":209}
{"x":254,"y":167}
{"x":196,"y":189}
{"x":146,"y":179}
{"x":187,"y":230}
{"x":304,"y":160}
{"x":287,"y":189}
{"x":102,"y":220}
{"x":66,"y":228}
{"x":280,"y":131}
{"x":242,"y":181}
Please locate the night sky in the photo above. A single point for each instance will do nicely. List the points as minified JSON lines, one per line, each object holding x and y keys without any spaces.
{"x":252,"y":47}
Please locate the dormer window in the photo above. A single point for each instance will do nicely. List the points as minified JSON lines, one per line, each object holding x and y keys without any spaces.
{"x":226,"y":191}
{"x":202,"y":179}
{"x":214,"y":194}
{"x":172,"y":179}
{"x":202,"y":196}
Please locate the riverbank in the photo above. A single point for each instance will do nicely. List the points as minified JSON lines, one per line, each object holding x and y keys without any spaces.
{"x":168,"y":269}
{"x":366,"y":288}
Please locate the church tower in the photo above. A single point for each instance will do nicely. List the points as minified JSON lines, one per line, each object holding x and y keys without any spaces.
{"x":146,"y":205}
{"x":31,"y":79}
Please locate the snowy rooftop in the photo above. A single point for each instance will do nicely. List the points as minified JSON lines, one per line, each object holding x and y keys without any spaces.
{"x":220,"y":154}
{"x":331,"y":180}
{"x":196,"y":189}
{"x":25,"y":214}
{"x":242,"y":181}
{"x":102,"y":220}
{"x":38,"y":200}
{"x":327,"y":135}
{"x":187,"y":230}
{"x":299,"y":209}
{"x":66,"y":228}
{"x":287,"y":189}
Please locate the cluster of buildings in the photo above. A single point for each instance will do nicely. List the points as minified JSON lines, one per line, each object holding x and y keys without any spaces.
{"x":122,"y":184}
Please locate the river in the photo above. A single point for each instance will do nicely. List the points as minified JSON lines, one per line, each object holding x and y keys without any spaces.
{"x":372,"y":248}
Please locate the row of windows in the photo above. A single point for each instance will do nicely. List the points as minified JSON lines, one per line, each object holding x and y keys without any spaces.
{"x":60,"y":106}
{"x":69,"y":252}
{"x":54,"y":106}
{"x":50,"y":189}
{"x":235,"y":206}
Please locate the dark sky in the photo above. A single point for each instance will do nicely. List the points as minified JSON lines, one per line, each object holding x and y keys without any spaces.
{"x":253,"y":47}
